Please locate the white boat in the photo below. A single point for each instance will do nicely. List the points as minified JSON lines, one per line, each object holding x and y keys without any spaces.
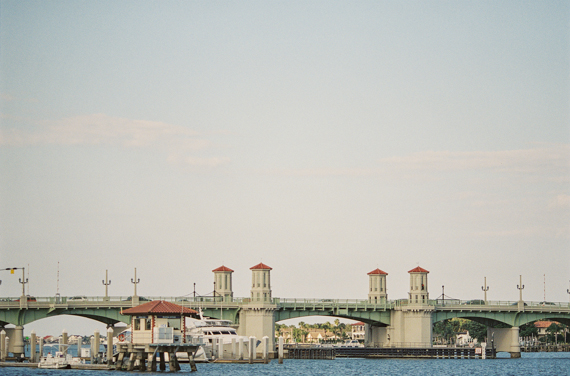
{"x":211,"y":330}
{"x":55,"y":362}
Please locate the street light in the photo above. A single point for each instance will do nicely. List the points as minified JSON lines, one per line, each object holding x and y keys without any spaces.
{"x":485,"y":289}
{"x":520,"y":287}
{"x":106,"y":282}
{"x":135,"y":281}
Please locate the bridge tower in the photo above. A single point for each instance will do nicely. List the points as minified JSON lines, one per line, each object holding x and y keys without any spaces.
{"x":377,"y":293}
{"x":223,"y":280}
{"x":411,"y":323}
{"x":260,"y":283}
{"x":257,"y":318}
{"x":418,"y":286}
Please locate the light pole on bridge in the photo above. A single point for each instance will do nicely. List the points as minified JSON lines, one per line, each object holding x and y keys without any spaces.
{"x":520,"y":287}
{"x":485,"y":288}
{"x":23,"y":281}
{"x":136,"y":282}
{"x":106,"y":282}
{"x":568,"y":291}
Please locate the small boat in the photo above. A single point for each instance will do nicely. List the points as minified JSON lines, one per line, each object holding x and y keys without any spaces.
{"x":55,"y":362}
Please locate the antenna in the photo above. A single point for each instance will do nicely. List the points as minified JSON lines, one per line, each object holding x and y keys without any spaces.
{"x":544,"y":300}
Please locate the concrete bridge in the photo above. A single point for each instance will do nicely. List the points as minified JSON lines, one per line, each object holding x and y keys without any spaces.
{"x":389,"y":323}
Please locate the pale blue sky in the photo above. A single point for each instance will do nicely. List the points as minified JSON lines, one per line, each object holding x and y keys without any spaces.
{"x":323,"y":138}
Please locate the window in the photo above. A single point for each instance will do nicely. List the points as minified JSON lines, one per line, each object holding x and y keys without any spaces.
{"x":137,"y":324}
{"x":148,"y":324}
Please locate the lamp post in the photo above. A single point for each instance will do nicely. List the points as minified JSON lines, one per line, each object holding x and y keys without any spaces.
{"x":568,"y":291}
{"x":106,"y":282}
{"x":521,"y":302}
{"x":485,"y":288}
{"x":23,"y":281}
{"x":135,"y":281}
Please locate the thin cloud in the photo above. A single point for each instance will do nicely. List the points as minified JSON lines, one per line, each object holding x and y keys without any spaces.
{"x":560,"y":201}
{"x":100,"y":129}
{"x":553,"y":159}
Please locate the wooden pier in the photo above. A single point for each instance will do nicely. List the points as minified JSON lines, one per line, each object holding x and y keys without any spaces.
{"x":311,"y":353}
{"x":131,"y":356}
{"x":317,"y":352}
{"x":429,"y":352}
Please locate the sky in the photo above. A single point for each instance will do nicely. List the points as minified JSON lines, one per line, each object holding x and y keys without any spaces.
{"x":323,"y":138}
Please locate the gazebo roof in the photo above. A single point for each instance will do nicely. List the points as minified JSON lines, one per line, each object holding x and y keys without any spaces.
{"x":222,"y":269}
{"x":378,"y":271}
{"x":261,"y":266}
{"x":159,"y":307}
{"x":417,"y":269}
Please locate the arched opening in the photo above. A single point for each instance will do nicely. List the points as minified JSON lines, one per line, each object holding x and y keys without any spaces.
{"x":320,"y":330}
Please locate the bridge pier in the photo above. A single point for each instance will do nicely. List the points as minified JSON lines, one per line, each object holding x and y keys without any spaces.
{"x":506,"y":340}
{"x":258,"y":320}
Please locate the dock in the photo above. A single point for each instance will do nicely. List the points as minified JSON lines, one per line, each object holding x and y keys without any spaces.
{"x":73,"y":366}
{"x":318,"y":352}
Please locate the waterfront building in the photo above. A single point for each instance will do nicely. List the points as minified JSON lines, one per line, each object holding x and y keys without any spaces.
{"x":158,"y":321}
{"x":358,"y":331}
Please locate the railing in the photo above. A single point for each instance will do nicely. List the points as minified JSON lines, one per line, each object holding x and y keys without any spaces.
{"x":125,"y":301}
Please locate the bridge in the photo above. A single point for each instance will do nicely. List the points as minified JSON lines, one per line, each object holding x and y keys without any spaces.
{"x":389,"y":323}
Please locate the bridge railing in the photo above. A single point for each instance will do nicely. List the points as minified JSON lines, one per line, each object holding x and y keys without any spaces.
{"x":496,"y":303}
{"x":335,"y":303}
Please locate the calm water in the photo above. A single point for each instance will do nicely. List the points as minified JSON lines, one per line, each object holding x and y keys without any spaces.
{"x":557,"y":364}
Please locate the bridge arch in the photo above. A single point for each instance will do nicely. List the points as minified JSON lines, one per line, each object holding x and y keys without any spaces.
{"x":492,"y":319}
{"x":376,"y":318}
{"x":26,"y":316}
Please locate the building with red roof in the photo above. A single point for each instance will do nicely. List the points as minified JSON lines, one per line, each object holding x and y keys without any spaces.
{"x":158,"y":321}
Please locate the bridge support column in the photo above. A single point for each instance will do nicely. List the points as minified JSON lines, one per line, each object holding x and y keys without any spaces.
{"x":376,"y":336}
{"x":258,"y":320}
{"x":515,"y":344}
{"x":505,"y":340}
{"x":411,"y":327}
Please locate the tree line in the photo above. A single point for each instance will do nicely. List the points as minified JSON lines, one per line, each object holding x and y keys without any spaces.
{"x":337,"y":329}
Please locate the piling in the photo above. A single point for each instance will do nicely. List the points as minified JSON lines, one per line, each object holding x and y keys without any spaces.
{"x":280,"y":349}
{"x":220,"y":348}
{"x":63,"y":342}
{"x":3,"y":345}
{"x":251,"y":349}
{"x":79,"y":346}
{"x":33,"y":341}
{"x":265,"y":341}
{"x":215,"y":348}
{"x":240,"y":348}
{"x":109,"y":346}
{"x":6,"y":347}
{"x":234,"y":352}
{"x":41,"y":352}
{"x":92,"y":352}
{"x":96,"y":345}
